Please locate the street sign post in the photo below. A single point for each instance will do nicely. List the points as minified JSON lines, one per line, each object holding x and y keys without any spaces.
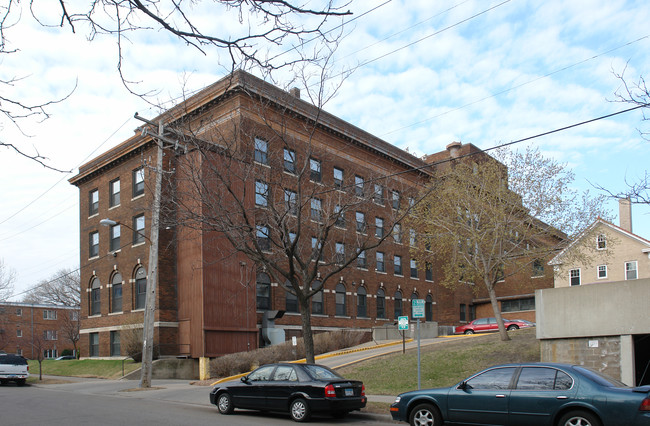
{"x":403,"y":325}
{"x":417,"y":308}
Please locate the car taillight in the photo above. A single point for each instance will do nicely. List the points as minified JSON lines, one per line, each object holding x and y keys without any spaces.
{"x":645,"y":405}
{"x":28,"y":368}
{"x":363,"y":390}
{"x":330,"y":392}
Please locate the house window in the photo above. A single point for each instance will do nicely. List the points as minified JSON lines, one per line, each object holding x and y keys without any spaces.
{"x":361,"y":260}
{"x":463,"y":313}
{"x":527,"y":304}
{"x":412,"y":237}
{"x":411,"y":202}
{"x":338,"y":178}
{"x":316,"y":249}
{"x":19,"y":312}
{"x":395,"y":200}
{"x":50,"y":353}
{"x":362,"y":302}
{"x":317,"y":299}
{"x":138,"y":229}
{"x":315,"y":170}
{"x":428,"y":308}
{"x":316,"y":210}
{"x":538,"y":268}
{"x":263,"y":240}
{"x":397,"y":262}
{"x":140,"y":288}
{"x":291,"y":201}
{"x":630,"y":270}
{"x":49,"y":314}
{"x":397,"y":233}
{"x":379,"y":227}
{"x":115,"y":232}
{"x":574,"y":276}
{"x":114,"y":191}
{"x":93,"y":339}
{"x":115,"y":343}
{"x":263,"y":289}
{"x":378,"y":194}
{"x":381,"y":303}
{"x":93,"y":244}
{"x":361,"y":222}
{"x":93,"y":202}
{"x":261,"y":150}
{"x":398,"y":304}
{"x":95,"y":297}
{"x":358,"y":186}
{"x":341,"y":309}
{"x":601,"y":242}
{"x":414,"y":269}
{"x":261,"y":193}
{"x":340,"y":216}
{"x":602,"y":271}
{"x":138,"y":181}
{"x":19,"y":333}
{"x":116,"y":293}
{"x":289,"y":160}
{"x":291,"y":302}
{"x":380,"y":262}
{"x":428,"y":271}
{"x":340,"y":253}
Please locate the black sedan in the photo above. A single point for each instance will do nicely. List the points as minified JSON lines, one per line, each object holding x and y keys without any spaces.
{"x":528,"y":394}
{"x":300,"y":389}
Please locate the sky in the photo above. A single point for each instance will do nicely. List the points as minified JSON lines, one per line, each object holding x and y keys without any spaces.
{"x":425,"y":74}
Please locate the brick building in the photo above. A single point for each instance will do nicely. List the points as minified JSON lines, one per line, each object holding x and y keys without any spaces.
{"x":210,"y":300}
{"x":27,"y":329}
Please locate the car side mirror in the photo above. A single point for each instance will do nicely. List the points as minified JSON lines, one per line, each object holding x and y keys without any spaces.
{"x":244,"y":379}
{"x":464,"y":386}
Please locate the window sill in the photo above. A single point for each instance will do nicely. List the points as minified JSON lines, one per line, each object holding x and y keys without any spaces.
{"x":138,"y":310}
{"x":94,"y":316}
{"x":113,"y":207}
{"x":115,"y":313}
{"x":137,"y":196}
{"x":93,"y":215}
{"x":138,"y":244}
{"x":381,"y":272}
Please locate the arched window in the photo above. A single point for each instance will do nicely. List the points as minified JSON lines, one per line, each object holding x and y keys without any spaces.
{"x":263,"y":291}
{"x":362,"y":304}
{"x":116,"y":292}
{"x":140,"y":288}
{"x":340,"y":300}
{"x":381,"y":303}
{"x":291,"y":301}
{"x":398,"y":304}
{"x":428,"y":308}
{"x":317,"y":299}
{"x":95,"y":297}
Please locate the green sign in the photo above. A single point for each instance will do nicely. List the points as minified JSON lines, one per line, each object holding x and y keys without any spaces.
{"x":402,"y":323}
{"x":417,"y":306}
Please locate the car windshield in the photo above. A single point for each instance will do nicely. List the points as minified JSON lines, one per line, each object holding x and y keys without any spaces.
{"x":600,"y":378}
{"x":321,"y":373}
{"x":12,"y":360}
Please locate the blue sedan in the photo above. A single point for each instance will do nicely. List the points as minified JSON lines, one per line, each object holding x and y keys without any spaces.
{"x":543,"y":394}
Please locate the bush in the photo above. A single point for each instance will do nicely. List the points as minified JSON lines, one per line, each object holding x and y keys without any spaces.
{"x":231,"y":364}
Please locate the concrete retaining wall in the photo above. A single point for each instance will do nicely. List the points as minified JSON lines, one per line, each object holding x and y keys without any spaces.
{"x":170,"y":368}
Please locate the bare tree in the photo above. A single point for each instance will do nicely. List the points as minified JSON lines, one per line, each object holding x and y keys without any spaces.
{"x":70,"y":326}
{"x":482,"y":230}
{"x":63,"y":288}
{"x":38,"y":345}
{"x":7,"y":278}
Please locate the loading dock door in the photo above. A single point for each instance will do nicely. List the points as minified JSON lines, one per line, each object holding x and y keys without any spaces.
{"x":642,"y":359}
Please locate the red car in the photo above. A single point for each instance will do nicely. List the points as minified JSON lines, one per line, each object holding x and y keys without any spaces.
{"x":482,"y":325}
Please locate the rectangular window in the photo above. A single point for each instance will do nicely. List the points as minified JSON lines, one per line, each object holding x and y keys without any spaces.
{"x":379,"y":227}
{"x":138,"y":229}
{"x":263,"y":239}
{"x":289,"y":160}
{"x":412,"y":237}
{"x":340,"y":217}
{"x":602,"y":242}
{"x":116,"y":298}
{"x":395,"y":200}
{"x":93,"y":202}
{"x":19,"y":333}
{"x":314,"y":170}
{"x":49,"y":314}
{"x":602,"y":271}
{"x":115,"y":343}
{"x":397,"y":262}
{"x":261,"y":151}
{"x":381,"y":267}
{"x":115,"y":232}
{"x":463,"y":314}
{"x":358,"y":186}
{"x":361,"y":222}
{"x":138,"y":181}
{"x":114,"y":191}
{"x":411,"y":202}
{"x":428,"y":271}
{"x":414,"y":269}
{"x":527,"y":304}
{"x":93,"y":339}
{"x":574,"y":275}
{"x":93,"y":244}
{"x":378,"y":194}
{"x":261,"y":193}
{"x":630,"y":270}
{"x":49,"y":334}
{"x":397,"y":233}
{"x":316,"y":249}
{"x":338,"y":178}
{"x":316,"y":210}
{"x":538,"y":268}
{"x":291,"y":201}
{"x":19,"y":312}
{"x":291,"y":303}
{"x":361,"y":260}
{"x":340,"y":253}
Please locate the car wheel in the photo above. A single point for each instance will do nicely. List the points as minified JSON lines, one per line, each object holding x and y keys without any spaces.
{"x":224,"y":403}
{"x":425,"y":415}
{"x":513,"y":327}
{"x":4,"y":382}
{"x":299,"y":410}
{"x":579,"y":418}
{"x":469,"y":331}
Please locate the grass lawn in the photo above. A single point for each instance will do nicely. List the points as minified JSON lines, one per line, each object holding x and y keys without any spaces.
{"x":100,"y":368}
{"x":442,"y":364}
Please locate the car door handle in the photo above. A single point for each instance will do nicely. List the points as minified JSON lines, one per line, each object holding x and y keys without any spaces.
{"x":500,"y":395}
{"x":561,"y":397}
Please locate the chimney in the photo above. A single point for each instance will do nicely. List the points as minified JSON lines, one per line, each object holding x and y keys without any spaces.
{"x":294,"y":91}
{"x":625,"y":214}
{"x":454,"y":149}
